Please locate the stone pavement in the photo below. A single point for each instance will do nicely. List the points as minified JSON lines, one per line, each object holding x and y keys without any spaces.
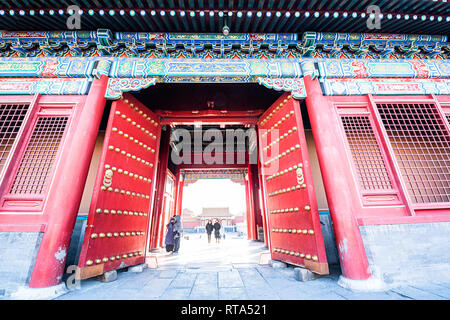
{"x":230,"y":271}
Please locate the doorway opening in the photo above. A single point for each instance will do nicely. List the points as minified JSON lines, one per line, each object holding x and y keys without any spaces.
{"x":210,"y":199}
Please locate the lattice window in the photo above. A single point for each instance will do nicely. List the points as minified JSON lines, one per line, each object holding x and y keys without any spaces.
{"x":421,"y":144}
{"x":366,"y":153}
{"x":11,"y":119}
{"x":39,"y":156}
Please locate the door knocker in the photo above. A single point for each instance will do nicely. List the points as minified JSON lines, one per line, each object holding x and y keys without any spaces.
{"x":300,"y":177}
{"x":107,"y":179}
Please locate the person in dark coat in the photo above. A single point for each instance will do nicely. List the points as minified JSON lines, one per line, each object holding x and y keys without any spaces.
{"x":209,"y":229}
{"x":177,"y":232}
{"x":217,"y":227}
{"x":170,"y":241}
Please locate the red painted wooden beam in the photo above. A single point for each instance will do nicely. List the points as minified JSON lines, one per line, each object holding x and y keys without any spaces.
{"x":249,"y":117}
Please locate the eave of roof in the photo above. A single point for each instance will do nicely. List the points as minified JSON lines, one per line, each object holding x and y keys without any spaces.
{"x":158,"y":45}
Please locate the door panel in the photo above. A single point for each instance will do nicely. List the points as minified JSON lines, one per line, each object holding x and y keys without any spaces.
{"x":294,"y":224}
{"x":117,"y":225}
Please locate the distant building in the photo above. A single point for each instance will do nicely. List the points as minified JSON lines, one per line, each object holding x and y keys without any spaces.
{"x":223,"y":214}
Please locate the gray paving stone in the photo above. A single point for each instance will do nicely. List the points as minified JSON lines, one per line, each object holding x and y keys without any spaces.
{"x":436,"y":289}
{"x":120,"y":294}
{"x":155,"y":288}
{"x":442,"y":284}
{"x":135,"y":282}
{"x":184,"y":280}
{"x":353,"y":295}
{"x":229,"y":279}
{"x":261,"y":293}
{"x":176,"y":294}
{"x":199,"y":278}
{"x":204,"y":292}
{"x":207,"y":278}
{"x":232,"y":294}
{"x":168,"y":274}
{"x":252,"y":279}
{"x":416,"y":294}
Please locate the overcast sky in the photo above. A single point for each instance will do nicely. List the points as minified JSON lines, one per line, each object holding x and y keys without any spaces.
{"x":214,"y":193}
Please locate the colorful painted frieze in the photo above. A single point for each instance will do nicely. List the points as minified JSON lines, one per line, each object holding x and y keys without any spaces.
{"x":359,"y":68}
{"x":332,"y":87}
{"x":169,"y":68}
{"x":116,"y":86}
{"x":295,"y":86}
{"x":39,"y":67}
{"x":104,"y":42}
{"x":57,"y":86}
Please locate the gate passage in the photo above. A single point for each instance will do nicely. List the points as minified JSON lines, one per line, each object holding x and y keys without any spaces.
{"x":116,"y":232}
{"x":295,"y":233}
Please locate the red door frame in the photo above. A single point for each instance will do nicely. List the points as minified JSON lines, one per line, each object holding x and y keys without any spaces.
{"x":249,"y":117}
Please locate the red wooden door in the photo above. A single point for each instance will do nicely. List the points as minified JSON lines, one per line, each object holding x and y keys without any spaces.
{"x":117,"y":226}
{"x":294,"y":225}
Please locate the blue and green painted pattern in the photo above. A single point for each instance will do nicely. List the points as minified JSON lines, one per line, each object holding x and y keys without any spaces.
{"x":238,"y":58}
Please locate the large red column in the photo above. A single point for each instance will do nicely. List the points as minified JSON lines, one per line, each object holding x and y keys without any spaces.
{"x":67,"y":189}
{"x":337,"y":179}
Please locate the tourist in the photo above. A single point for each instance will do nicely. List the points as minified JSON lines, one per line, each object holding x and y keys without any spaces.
{"x":170,"y":241}
{"x":177,"y":232}
{"x":209,"y":229}
{"x":217,"y":230}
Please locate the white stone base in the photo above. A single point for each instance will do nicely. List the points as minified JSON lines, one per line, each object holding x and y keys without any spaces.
{"x":264,"y":258}
{"x":48,"y":293}
{"x":303,"y":274}
{"x":108,"y":276}
{"x":137,"y":269}
{"x":278,"y":264}
{"x":151,"y":262}
{"x":368,"y":285}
